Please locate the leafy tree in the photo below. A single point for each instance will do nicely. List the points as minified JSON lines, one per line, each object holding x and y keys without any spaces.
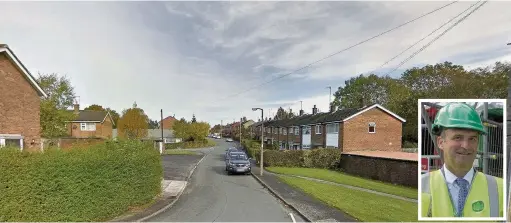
{"x":54,"y":113}
{"x":153,"y":124}
{"x":216,"y":128}
{"x":133,"y":123}
{"x":283,"y":114}
{"x":193,"y":119}
{"x":113,"y":113}
{"x":191,"y":131}
{"x":442,"y":80}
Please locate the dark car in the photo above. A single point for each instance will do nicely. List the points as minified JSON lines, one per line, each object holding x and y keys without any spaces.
{"x":238,"y":162}
{"x":228,"y":151}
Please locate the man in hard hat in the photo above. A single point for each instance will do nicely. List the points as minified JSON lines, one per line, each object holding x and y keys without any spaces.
{"x":457,"y":189}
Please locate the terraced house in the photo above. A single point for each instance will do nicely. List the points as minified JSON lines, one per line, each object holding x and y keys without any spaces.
{"x":355,"y":129}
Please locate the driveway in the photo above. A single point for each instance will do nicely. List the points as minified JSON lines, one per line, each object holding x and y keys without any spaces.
{"x":212,"y":195}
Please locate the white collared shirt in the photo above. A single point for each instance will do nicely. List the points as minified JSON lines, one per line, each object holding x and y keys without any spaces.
{"x":454,"y":189}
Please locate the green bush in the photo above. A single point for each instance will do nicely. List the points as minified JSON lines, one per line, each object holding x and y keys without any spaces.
{"x":87,"y":184}
{"x":191,"y":144}
{"x":315,"y":158}
{"x":322,"y":158}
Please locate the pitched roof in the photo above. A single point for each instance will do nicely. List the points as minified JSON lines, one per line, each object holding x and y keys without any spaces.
{"x":5,"y":49}
{"x":325,"y":117}
{"x":90,"y":116}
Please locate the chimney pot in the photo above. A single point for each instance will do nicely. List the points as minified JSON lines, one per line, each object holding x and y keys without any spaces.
{"x":314,"y":110}
{"x":76,"y":108}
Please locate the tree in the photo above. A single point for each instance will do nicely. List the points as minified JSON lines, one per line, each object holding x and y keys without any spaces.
{"x":283,"y":114}
{"x":133,"y":123}
{"x":153,"y":124}
{"x":216,"y":128}
{"x":244,"y":119}
{"x":113,"y":113}
{"x":54,"y":113}
{"x":193,"y":119}
{"x":191,"y":131}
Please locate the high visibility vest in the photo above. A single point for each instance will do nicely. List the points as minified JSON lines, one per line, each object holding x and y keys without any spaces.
{"x":483,"y":200}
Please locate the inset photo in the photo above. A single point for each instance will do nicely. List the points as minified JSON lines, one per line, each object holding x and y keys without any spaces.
{"x":463,"y":160}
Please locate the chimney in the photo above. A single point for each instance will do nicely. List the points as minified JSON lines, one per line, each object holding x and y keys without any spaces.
{"x":76,"y":108}
{"x":314,"y":110}
{"x":301,"y":112}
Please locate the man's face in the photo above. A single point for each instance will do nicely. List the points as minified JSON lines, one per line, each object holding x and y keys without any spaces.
{"x":459,"y":147}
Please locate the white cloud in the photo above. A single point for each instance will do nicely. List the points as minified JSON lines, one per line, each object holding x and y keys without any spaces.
{"x":186,"y":58}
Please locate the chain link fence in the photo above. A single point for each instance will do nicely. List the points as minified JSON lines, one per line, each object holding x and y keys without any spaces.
{"x":490,"y":159}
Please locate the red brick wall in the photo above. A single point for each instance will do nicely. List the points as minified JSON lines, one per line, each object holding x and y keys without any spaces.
{"x":103,"y":130}
{"x":19,"y":105}
{"x":168,"y":122}
{"x":318,"y":138}
{"x":387,"y":137}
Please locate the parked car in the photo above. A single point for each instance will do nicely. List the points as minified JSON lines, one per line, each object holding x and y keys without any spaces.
{"x":228,"y":151}
{"x":238,"y":162}
{"x":228,"y":140}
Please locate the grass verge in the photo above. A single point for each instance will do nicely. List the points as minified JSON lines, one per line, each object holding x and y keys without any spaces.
{"x":361,"y":205}
{"x":179,"y":152}
{"x":342,"y":178}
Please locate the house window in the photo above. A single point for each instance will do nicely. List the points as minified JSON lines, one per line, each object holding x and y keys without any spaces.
{"x":372,"y":127}
{"x":11,"y":140}
{"x":88,"y":126}
{"x":307,"y":130}
{"x":296,"y":130}
{"x":318,"y":129}
{"x":284,"y":131}
{"x":280,"y":130}
{"x":332,"y":128}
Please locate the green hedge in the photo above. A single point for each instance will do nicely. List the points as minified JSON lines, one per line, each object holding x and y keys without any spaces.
{"x":90,"y":184}
{"x":191,"y":144}
{"x":315,"y":158}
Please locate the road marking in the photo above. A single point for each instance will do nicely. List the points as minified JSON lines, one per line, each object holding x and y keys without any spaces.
{"x":292,"y":217}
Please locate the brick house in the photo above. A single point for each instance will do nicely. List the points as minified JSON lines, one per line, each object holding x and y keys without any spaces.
{"x":168,"y":122}
{"x":20,"y":98}
{"x":90,"y":124}
{"x":363,"y":129}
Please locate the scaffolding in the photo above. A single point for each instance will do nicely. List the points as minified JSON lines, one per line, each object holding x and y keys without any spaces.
{"x":490,"y":159}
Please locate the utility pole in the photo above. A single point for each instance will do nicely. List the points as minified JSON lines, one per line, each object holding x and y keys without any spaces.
{"x":329,"y":96}
{"x":241,"y":119}
{"x":221,"y":127}
{"x":301,"y":105}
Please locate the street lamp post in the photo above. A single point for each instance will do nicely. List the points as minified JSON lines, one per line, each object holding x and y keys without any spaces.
{"x":262,"y":139}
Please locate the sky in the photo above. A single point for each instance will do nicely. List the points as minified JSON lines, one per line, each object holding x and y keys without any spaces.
{"x":205,"y":58}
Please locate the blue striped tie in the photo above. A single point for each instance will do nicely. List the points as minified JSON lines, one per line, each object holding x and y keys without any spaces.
{"x":462,"y":196}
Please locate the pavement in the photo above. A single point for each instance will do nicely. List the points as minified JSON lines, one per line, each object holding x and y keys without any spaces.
{"x":211,"y":195}
{"x":177,"y":170}
{"x":309,"y":208}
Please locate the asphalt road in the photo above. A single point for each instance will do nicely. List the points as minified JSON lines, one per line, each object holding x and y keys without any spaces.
{"x":212,"y":195}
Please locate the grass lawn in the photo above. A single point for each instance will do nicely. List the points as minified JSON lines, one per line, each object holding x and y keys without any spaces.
{"x":179,"y":152}
{"x":361,"y":205}
{"x":342,"y":178}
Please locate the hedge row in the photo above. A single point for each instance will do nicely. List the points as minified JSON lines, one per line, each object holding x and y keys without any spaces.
{"x":315,"y":158}
{"x":86,"y":184}
{"x":191,"y":144}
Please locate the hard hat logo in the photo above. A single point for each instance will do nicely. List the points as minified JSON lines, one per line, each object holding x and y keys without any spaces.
{"x":457,"y":115}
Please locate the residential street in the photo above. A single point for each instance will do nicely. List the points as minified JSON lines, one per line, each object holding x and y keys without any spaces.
{"x":212,"y":195}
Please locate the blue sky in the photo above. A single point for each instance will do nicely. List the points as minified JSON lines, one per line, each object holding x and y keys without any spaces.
{"x":187,"y":57}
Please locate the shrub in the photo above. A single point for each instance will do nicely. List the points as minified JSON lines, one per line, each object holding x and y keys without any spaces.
{"x":322,"y":158}
{"x":86,"y":184}
{"x":286,"y":158}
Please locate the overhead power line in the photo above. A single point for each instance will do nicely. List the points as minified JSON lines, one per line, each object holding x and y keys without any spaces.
{"x":436,"y":38}
{"x":345,"y":49}
{"x":431,"y":33}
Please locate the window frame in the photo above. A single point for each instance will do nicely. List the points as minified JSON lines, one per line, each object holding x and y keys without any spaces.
{"x":373,"y":125}
{"x":317,"y":131}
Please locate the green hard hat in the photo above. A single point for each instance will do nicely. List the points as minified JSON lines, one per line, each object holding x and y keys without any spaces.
{"x":457,"y":115}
